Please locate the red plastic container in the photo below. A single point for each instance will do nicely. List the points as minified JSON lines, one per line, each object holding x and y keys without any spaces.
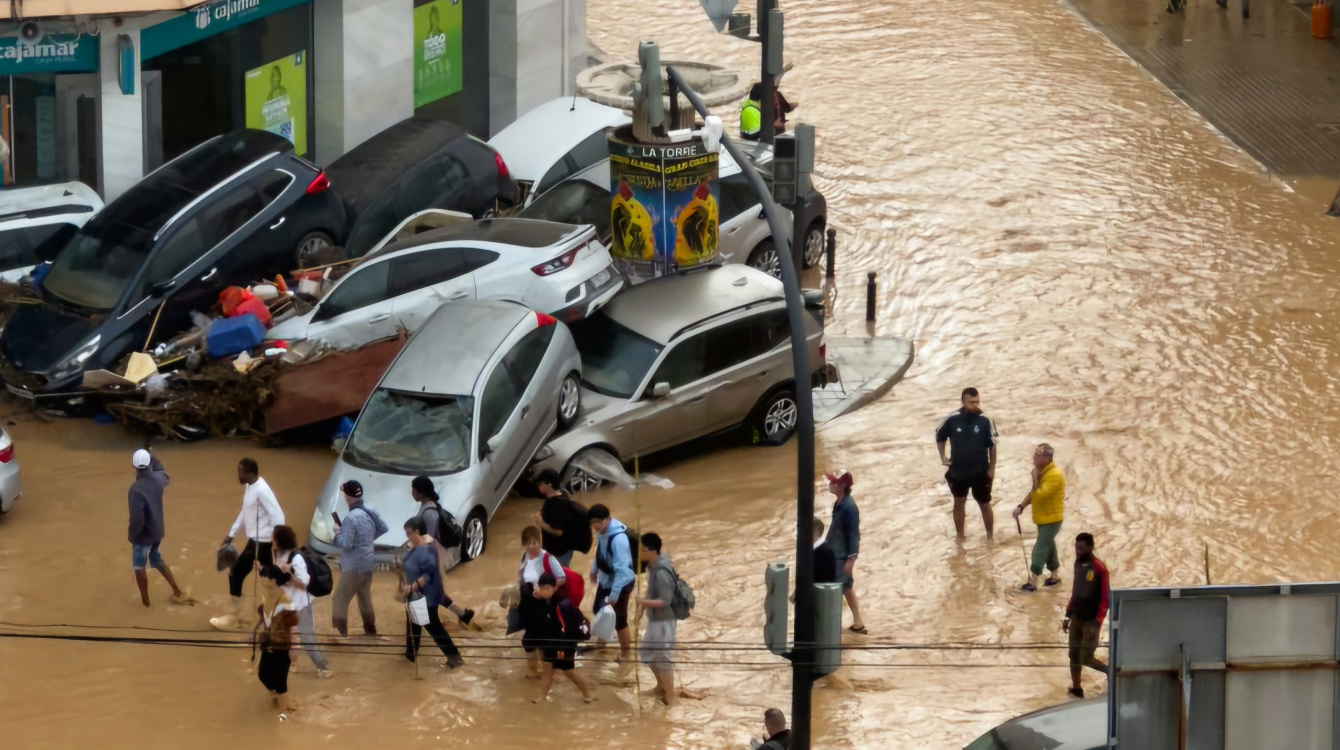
{"x":255,"y":307}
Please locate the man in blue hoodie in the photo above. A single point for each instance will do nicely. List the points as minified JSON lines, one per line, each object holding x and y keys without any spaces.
{"x":354,"y":537}
{"x":613,"y":571}
{"x":146,"y":525}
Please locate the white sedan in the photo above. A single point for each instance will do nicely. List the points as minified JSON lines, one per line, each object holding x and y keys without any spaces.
{"x":10,"y":487}
{"x":560,"y":269}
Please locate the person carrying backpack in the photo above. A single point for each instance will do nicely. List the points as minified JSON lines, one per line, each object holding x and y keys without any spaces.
{"x":443,"y":528}
{"x":562,"y":521}
{"x":294,"y":579}
{"x":535,"y":562}
{"x":613,"y":572}
{"x":564,"y":627}
{"x":664,"y":606}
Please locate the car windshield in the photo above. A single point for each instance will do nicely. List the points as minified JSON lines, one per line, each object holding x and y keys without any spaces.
{"x":412,"y":433}
{"x":615,"y":360}
{"x":97,"y":265}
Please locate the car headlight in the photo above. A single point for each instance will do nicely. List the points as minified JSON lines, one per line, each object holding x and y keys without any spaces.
{"x":321,"y":526}
{"x":75,"y":362}
{"x":544,"y":454}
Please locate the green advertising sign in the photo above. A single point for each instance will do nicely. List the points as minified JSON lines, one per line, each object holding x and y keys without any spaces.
{"x":276,"y":97}
{"x":437,"y":51}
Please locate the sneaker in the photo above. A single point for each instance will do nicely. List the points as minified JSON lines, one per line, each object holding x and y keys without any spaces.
{"x":324,"y":674}
{"x":1028,"y":587}
{"x":182,"y":599}
{"x":467,"y":617}
{"x":1077,"y":692}
{"x":224,"y":622}
{"x":454,"y":661}
{"x":1051,"y":582}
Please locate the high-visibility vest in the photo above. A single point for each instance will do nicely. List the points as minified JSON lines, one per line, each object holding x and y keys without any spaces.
{"x":751,"y":117}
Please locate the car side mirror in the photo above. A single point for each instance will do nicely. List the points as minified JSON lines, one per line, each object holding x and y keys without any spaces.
{"x":660,"y":390}
{"x":162,"y":288}
{"x":493,"y":444}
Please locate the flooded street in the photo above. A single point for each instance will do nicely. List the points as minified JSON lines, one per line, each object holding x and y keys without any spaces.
{"x":1049,"y":224}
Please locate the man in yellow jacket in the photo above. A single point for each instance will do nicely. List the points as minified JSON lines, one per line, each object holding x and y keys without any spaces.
{"x":1048,"y":500}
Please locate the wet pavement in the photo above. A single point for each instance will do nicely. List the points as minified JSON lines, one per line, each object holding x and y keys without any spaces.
{"x":1049,"y":224}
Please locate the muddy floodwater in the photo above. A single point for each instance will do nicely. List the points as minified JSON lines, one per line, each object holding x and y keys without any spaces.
{"x":1048,"y":224}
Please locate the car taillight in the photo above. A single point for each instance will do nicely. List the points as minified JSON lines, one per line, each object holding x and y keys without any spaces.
{"x":823,"y":351}
{"x":7,"y":454}
{"x":318,"y":184}
{"x":542,"y":320}
{"x":557,"y":264}
{"x":502,"y":165}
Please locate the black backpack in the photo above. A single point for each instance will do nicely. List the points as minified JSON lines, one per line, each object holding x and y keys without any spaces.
{"x":322,"y":581}
{"x":579,"y":526}
{"x":606,"y":566}
{"x":449,"y":531}
{"x":579,"y":629}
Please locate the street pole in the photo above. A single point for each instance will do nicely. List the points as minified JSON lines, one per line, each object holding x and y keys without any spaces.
{"x":802,"y":654}
{"x":768,"y":106}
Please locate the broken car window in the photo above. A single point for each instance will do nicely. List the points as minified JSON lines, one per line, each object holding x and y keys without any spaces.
{"x":412,"y":433}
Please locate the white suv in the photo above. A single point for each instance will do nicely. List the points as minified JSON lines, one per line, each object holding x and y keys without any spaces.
{"x":36,"y":222}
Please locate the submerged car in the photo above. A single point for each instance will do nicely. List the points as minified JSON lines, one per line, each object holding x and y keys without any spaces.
{"x":35,"y":222}
{"x":558,"y":269}
{"x":238,"y":207}
{"x":467,"y":402}
{"x":414,"y":165}
{"x":564,"y":143}
{"x":1078,"y":725}
{"x":680,"y":357}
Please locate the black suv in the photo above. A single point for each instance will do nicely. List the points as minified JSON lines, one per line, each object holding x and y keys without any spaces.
{"x":236,"y":208}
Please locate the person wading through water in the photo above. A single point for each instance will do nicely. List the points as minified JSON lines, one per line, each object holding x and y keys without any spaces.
{"x":1084,"y":614}
{"x":442,"y":528}
{"x":972,"y":439}
{"x":259,"y":516}
{"x":1048,"y":501}
{"x":146,"y":525}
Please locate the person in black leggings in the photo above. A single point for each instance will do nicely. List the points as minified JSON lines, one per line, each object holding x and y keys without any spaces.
{"x":423,"y":580}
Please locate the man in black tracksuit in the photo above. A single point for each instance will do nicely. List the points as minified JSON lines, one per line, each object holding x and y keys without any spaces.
{"x":972,"y":459}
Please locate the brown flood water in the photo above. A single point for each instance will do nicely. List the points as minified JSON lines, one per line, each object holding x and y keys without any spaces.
{"x":1049,"y":225}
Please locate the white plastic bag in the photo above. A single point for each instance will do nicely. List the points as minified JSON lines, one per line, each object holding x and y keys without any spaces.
{"x":418,"y":611}
{"x":602,"y":627}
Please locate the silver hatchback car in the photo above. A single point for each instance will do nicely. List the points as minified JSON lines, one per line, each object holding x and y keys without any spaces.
{"x":683,"y":356}
{"x":468,"y":401}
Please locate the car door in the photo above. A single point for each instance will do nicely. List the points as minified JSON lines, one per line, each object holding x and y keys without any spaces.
{"x":519,"y":383}
{"x":588,"y":160}
{"x":682,"y":415}
{"x":359,"y":310}
{"x":738,"y":211}
{"x":422,"y":281}
{"x":745,"y":358}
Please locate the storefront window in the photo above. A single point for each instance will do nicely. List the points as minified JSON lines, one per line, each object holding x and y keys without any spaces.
{"x":48,"y":110}
{"x":254,"y":75}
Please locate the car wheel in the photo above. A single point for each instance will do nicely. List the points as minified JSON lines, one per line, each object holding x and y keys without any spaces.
{"x":472,"y":541}
{"x":569,"y":401}
{"x":765,"y":259}
{"x":577,"y":479}
{"x":311,"y":247}
{"x":814,"y":245}
{"x":777,"y":418}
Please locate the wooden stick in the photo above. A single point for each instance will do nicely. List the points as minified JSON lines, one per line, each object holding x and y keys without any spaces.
{"x":637,"y":581}
{"x":153,"y":327}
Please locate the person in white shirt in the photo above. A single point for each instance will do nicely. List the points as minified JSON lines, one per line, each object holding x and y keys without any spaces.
{"x":259,"y":516}
{"x":294,"y":582}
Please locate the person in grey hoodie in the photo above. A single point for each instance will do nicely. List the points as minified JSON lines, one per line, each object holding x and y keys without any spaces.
{"x":354,"y":537}
{"x":146,"y":524}
{"x":659,"y":639}
{"x":844,"y":537}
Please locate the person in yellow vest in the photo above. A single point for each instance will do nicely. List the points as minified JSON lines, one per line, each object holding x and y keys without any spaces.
{"x":751,"y":114}
{"x":1048,"y":500}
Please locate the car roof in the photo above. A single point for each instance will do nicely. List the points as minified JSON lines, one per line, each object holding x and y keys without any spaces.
{"x":662,"y":307}
{"x":1077,"y":725}
{"x":447,"y":355}
{"x":48,"y":200}
{"x":537,"y":139}
{"x":532,"y":233}
{"x":371,"y":167}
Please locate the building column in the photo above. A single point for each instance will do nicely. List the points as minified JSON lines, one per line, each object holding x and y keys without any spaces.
{"x":364,"y":71}
{"x":536,"y":50}
{"x":120,"y":116}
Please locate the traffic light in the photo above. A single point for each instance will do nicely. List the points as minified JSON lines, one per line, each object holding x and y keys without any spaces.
{"x":827,"y":628}
{"x":777,"y":576}
{"x":792,"y":163}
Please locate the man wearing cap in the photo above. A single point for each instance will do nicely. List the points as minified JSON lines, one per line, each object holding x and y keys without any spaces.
{"x":354,"y":537}
{"x":146,"y":524}
{"x":844,"y":537}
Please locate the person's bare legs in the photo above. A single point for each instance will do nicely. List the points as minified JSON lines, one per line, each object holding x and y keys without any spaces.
{"x":989,"y":519}
{"x":850,"y":594}
{"x":665,"y":680}
{"x":142,"y":581}
{"x":546,"y":681}
{"x":577,"y":680}
{"x":1075,"y":670}
{"x":533,"y":670}
{"x":167,"y":576}
{"x":960,"y":513}
{"x":625,"y":646}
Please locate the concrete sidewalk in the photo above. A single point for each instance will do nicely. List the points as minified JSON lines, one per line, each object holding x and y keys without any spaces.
{"x":868,"y":367}
{"x":1262,"y":81}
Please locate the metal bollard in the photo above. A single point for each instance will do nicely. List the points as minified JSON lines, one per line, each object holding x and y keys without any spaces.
{"x":831,"y":249}
{"x":870,"y":297}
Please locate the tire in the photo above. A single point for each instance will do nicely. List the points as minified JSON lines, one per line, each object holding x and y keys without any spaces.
{"x":814,"y":245}
{"x":776,"y":418}
{"x":475,"y":531}
{"x":765,"y":259}
{"x":311,"y":247}
{"x":569,"y":401}
{"x":576,"y":480}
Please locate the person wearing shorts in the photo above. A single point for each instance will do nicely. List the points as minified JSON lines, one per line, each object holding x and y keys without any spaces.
{"x":565,"y":625}
{"x":844,"y":538}
{"x":971,"y":437}
{"x":613,"y":572}
{"x":1084,"y":614}
{"x":145,"y":532}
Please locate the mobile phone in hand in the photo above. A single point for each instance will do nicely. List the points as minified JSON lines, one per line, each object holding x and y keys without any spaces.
{"x":334,"y":516}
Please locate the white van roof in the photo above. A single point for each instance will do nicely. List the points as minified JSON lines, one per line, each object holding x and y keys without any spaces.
{"x":47,"y":199}
{"x":537,"y":139}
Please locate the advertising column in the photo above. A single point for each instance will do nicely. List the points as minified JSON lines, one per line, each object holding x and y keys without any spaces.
{"x":664,"y":211}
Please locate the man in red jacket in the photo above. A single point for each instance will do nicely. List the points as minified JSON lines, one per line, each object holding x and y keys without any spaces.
{"x":1084,"y":614}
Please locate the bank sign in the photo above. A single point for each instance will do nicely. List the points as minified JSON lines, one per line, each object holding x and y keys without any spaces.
{"x":58,"y":53}
{"x":206,"y":20}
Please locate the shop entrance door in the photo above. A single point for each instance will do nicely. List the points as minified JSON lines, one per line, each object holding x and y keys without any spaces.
{"x":51,"y":124}
{"x":77,"y":108}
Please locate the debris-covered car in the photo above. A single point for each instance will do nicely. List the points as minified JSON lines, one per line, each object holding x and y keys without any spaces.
{"x":467,"y":402}
{"x":683,"y":356}
{"x":236,"y":208}
{"x":414,"y":165}
{"x":559,"y":269}
{"x":35,"y":222}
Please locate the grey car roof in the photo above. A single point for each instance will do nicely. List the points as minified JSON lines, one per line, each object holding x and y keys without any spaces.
{"x":449,"y":352}
{"x":660,"y":308}
{"x":532,"y":233}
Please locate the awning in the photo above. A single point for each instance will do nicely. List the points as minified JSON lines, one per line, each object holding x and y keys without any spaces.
{"x":51,"y":8}
{"x":206,"y":20}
